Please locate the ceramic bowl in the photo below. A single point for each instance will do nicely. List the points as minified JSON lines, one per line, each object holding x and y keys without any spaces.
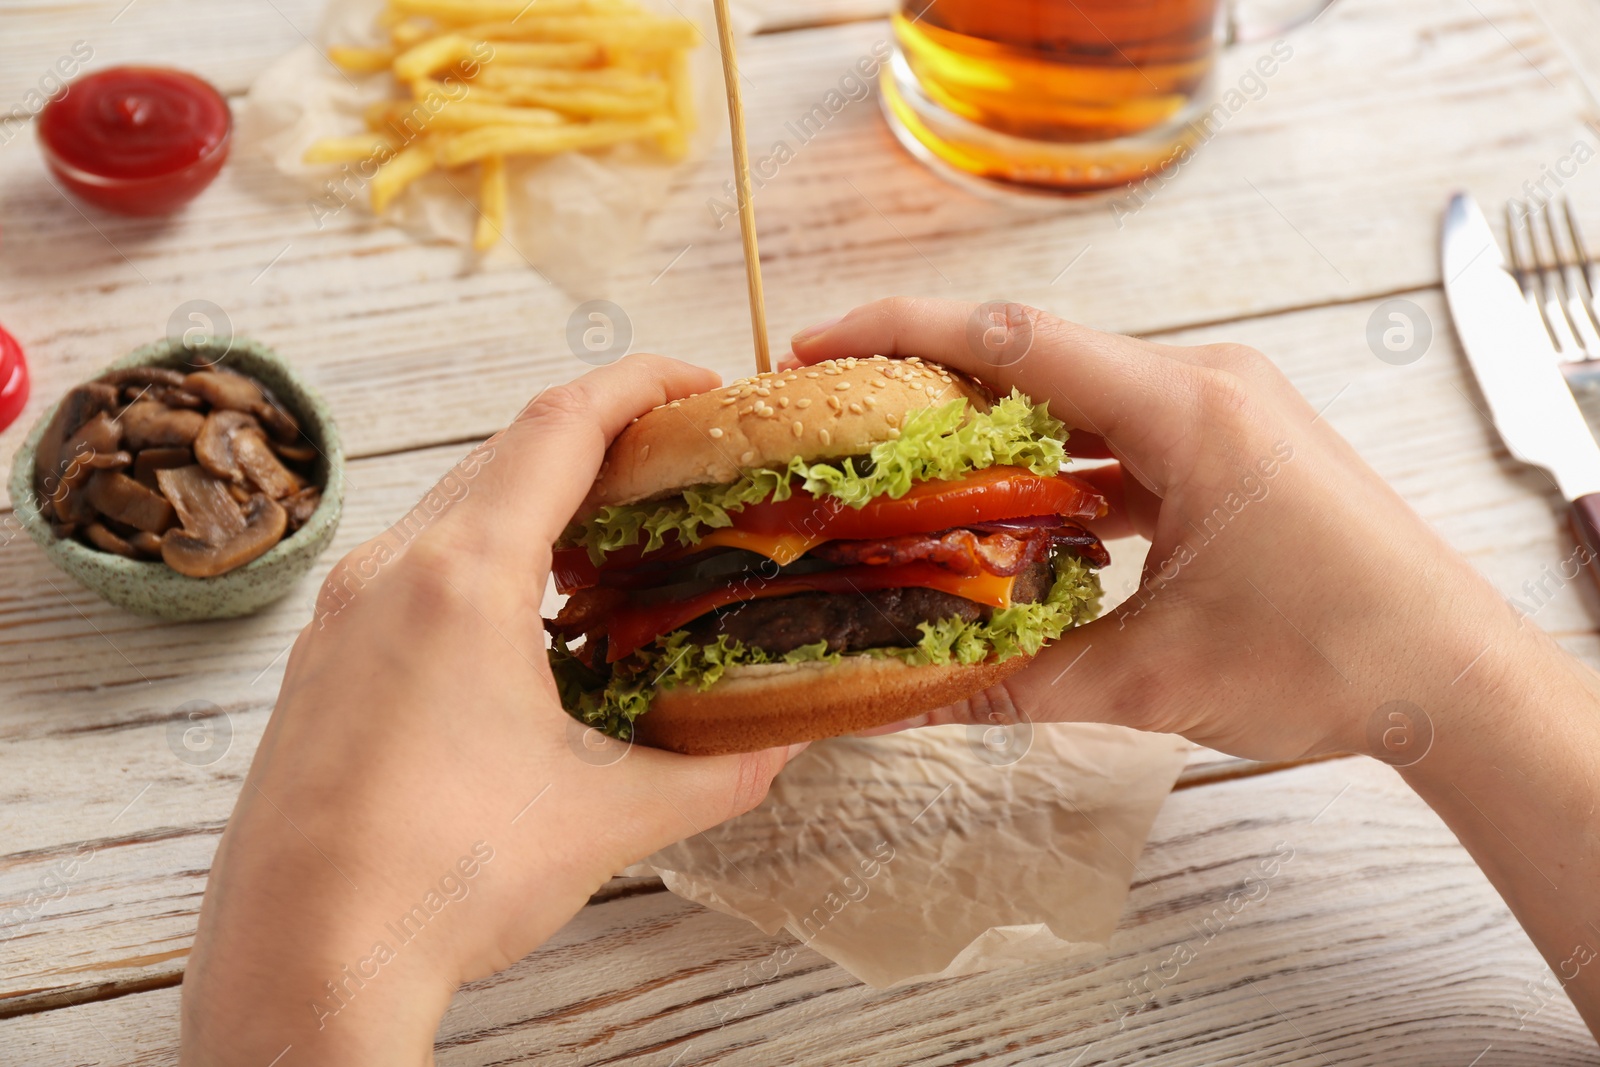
{"x":153,"y":588}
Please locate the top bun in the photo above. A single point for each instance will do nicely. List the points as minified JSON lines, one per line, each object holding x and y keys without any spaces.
{"x":827,"y":411}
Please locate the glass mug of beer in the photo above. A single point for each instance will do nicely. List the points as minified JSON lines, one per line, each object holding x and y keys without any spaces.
{"x":1063,"y":95}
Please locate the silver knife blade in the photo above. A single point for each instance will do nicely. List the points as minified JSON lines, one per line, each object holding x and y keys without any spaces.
{"x":1512,"y":357}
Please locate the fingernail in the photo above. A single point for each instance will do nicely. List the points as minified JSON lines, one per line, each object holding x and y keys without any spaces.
{"x":811,"y":333}
{"x":795,"y":750}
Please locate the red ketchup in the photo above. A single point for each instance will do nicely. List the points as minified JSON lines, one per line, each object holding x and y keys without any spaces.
{"x":13,"y":379}
{"x":136,"y":140}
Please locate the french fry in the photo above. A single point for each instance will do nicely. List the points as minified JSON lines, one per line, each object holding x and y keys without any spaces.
{"x":625,"y":82}
{"x":412,"y":162}
{"x":559,"y":54}
{"x":471,"y":116}
{"x":361,"y":60}
{"x":588,"y":103}
{"x":423,"y":59}
{"x":491,"y":204}
{"x":641,"y":31}
{"x":362,"y":146}
{"x":459,"y":149}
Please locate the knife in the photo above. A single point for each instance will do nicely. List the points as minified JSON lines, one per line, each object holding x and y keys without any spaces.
{"x":1517,"y":368}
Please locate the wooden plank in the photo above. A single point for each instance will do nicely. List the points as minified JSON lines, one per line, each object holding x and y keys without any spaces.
{"x":1375,"y":941}
{"x":1327,"y":188}
{"x":84,"y":733}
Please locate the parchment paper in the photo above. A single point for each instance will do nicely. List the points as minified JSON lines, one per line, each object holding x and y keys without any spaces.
{"x":939,"y":851}
{"x":572,"y":216}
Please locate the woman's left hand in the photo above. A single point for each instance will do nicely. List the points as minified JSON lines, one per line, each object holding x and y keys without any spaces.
{"x":420,"y":811}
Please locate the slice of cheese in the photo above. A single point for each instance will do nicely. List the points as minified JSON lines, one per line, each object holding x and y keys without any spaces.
{"x":783,"y":549}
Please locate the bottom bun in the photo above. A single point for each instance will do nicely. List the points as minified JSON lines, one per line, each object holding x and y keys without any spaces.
{"x":771,"y":704}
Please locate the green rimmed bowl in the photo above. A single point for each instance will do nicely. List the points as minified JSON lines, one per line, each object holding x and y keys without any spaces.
{"x":153,"y":588}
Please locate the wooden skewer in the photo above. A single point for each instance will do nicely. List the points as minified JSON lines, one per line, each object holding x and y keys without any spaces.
{"x":741,"y":179}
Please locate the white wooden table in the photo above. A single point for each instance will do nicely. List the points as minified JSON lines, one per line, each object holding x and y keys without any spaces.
{"x":1380,"y":943}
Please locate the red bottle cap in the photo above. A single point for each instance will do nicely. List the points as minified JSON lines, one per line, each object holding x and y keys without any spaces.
{"x":13,"y":379}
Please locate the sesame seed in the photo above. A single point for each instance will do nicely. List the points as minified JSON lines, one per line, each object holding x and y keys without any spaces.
{"x":827,"y":438}
{"x":855,"y":409}
{"x":783,"y":401}
{"x":812,"y":374}
{"x":746,"y":410}
{"x":842,"y":386}
{"x":716,"y":433}
{"x":833,"y":402}
{"x":748,"y":457}
{"x":675,"y":404}
{"x":729,"y":400}
{"x":870,"y":400}
{"x":879,"y":383}
{"x":644,"y":453}
{"x":798,"y":428}
{"x":780,"y":383}
{"x":762,"y":390}
{"x":894,"y":433}
{"x":803,"y":403}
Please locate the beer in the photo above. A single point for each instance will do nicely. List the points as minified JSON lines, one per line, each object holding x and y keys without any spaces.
{"x":1063,"y":94}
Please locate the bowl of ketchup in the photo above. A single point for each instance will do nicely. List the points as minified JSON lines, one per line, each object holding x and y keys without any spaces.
{"x":136,"y":140}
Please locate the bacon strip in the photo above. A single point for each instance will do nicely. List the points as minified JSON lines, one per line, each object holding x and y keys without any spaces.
{"x":968,"y":552}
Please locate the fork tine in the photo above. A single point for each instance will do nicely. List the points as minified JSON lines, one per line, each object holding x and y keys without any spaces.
{"x":1551,"y":285}
{"x":1581,"y":282}
{"x":1522,"y":263}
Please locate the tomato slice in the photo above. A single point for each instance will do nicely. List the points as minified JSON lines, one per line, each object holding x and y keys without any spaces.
{"x":989,"y":495}
{"x":633,"y":626}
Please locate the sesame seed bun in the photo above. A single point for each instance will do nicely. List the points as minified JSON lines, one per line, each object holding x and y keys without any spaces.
{"x":755,"y":707}
{"x":828,"y":411}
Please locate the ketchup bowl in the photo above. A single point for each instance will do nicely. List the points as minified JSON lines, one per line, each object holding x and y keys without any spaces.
{"x":136,"y":140}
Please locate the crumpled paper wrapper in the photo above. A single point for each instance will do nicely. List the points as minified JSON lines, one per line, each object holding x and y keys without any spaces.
{"x":572,"y":217}
{"x":940,"y":851}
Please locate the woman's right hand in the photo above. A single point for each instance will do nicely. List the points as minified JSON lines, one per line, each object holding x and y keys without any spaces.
{"x":1290,"y":597}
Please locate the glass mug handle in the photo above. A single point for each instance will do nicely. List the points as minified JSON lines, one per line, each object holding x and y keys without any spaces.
{"x":1261,"y":20}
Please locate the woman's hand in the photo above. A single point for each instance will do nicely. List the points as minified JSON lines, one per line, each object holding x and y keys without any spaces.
{"x":1292,"y":605}
{"x":421,"y":812}
{"x":1289,"y":594}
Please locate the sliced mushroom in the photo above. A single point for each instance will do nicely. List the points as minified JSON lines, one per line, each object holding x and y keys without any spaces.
{"x":81,"y":454}
{"x":301,"y":506}
{"x":232,"y":446}
{"x":213,"y":446}
{"x":103,"y":538}
{"x":176,"y":398}
{"x":139,"y":377}
{"x":203,"y":503}
{"x":224,"y":389}
{"x":228,"y":391}
{"x":147,"y":544}
{"x":51,"y":457}
{"x":276,"y":418}
{"x":119,"y":497}
{"x":262,"y":468}
{"x":185,"y":553}
{"x":298,"y":451}
{"x":109,"y":461}
{"x":147,"y":424}
{"x":147,"y":462}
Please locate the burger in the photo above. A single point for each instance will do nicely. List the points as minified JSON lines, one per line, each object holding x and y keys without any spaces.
{"x":813,"y":552}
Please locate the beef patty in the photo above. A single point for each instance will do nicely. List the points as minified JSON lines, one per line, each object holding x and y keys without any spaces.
{"x":883,"y":618}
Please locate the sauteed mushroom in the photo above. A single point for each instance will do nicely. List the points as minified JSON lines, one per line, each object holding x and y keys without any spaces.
{"x":147,"y":424}
{"x":203,"y":469}
{"x":264,"y":523}
{"x":120,"y":497}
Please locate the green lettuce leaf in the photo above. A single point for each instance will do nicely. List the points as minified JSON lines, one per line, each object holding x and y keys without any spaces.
{"x":942,"y":442}
{"x":612,"y":704}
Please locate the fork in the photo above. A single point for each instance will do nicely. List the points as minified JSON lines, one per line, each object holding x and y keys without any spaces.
{"x":1554,"y":270}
